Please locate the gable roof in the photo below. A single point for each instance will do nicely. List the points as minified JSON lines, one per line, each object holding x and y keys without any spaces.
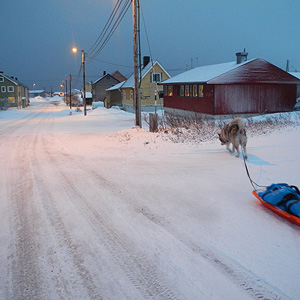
{"x":129,"y":83}
{"x":13,"y":80}
{"x":116,"y":87}
{"x":296,"y":74}
{"x":118,"y":75}
{"x":105,"y":75}
{"x":254,"y":71}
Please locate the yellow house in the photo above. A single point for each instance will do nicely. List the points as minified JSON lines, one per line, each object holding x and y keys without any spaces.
{"x":152,"y":76}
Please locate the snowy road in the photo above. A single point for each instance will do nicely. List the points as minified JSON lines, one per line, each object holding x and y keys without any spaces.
{"x":92,"y":212}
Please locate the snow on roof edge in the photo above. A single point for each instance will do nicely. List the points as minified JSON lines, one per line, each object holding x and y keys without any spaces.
{"x":205,"y":73}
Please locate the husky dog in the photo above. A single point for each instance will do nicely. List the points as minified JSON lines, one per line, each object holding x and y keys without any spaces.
{"x":234,"y":133}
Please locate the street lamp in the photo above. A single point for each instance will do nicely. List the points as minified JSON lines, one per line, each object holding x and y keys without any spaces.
{"x":83,"y":75}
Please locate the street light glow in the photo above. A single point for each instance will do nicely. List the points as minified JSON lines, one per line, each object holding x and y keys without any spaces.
{"x":74,"y":50}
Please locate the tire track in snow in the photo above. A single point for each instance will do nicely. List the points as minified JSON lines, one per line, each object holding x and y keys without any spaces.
{"x":24,"y":266}
{"x":252,"y":284}
{"x":246,"y":280}
{"x":136,"y":267}
{"x":82,"y":281}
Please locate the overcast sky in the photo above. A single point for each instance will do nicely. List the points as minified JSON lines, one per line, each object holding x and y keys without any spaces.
{"x":37,"y":36}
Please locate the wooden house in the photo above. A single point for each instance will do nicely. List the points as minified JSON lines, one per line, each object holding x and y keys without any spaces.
{"x":151,"y":90}
{"x":241,"y":87}
{"x":35,"y":93}
{"x":13,"y":92}
{"x":297,"y":75}
{"x":114,"y":96}
{"x":100,"y":86}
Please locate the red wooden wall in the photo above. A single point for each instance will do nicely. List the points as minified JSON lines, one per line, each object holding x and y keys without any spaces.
{"x":195,"y":104}
{"x":254,"y":98}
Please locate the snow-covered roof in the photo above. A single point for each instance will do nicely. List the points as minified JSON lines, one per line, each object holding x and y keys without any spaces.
{"x":129,"y":83}
{"x":116,"y":87}
{"x":256,"y":70}
{"x":205,"y":73}
{"x":13,"y":80}
{"x":36,"y":91}
{"x":296,"y":74}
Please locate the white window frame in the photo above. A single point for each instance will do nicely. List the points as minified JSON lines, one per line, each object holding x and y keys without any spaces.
{"x":10,"y":89}
{"x":1,"y":79}
{"x":124,"y":95}
{"x":153,"y":77}
{"x":3,"y":89}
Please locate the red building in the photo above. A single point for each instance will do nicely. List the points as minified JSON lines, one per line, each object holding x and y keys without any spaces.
{"x":242,"y":87}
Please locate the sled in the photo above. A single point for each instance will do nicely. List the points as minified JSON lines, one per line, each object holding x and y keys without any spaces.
{"x":278,"y":211}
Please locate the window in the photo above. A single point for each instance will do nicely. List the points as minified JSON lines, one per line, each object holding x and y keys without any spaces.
{"x":160,"y":94}
{"x":165,"y":90}
{"x":181,"y":91}
{"x":3,"y":89}
{"x":170,"y":90}
{"x":156,"y":77}
{"x":187,"y":91}
{"x":131,"y":94}
{"x":124,"y":95}
{"x":201,"y":91}
{"x":195,"y":91}
{"x":10,"y":89}
{"x":1,"y":79}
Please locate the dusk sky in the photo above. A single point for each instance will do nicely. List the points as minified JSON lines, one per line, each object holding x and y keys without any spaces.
{"x":37,"y":36}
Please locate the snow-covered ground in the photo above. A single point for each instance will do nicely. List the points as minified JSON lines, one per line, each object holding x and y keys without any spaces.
{"x":91,"y":208}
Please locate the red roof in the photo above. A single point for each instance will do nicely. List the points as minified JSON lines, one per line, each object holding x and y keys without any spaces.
{"x":255,"y":71}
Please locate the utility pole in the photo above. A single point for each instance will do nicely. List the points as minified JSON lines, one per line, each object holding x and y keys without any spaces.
{"x":137,"y":98}
{"x":70,"y":79}
{"x":83,"y":74}
{"x":70,"y":92}
{"x":66,"y":94}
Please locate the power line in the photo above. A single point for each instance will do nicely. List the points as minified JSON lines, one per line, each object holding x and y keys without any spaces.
{"x":110,"y":63}
{"x":104,"y":30}
{"x":111,"y":32}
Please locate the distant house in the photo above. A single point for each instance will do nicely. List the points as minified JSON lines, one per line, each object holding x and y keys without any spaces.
{"x":88,"y":87}
{"x":13,"y":92}
{"x":35,"y":93}
{"x":152,"y":75}
{"x":118,"y":76}
{"x":241,"y":87}
{"x":114,"y":95}
{"x":88,"y":98}
{"x":100,"y":86}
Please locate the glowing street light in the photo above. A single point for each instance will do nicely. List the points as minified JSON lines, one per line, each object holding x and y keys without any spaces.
{"x":83,"y":75}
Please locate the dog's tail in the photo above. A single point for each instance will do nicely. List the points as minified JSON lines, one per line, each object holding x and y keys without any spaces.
{"x":240,"y":123}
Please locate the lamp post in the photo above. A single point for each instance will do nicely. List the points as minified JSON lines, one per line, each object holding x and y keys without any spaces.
{"x":70,"y":91}
{"x":83,"y":75}
{"x":66,"y":85}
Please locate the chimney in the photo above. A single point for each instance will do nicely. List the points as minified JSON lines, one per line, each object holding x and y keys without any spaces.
{"x":241,"y":56}
{"x":1,"y":72}
{"x":104,"y":73}
{"x":146,"y":60}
